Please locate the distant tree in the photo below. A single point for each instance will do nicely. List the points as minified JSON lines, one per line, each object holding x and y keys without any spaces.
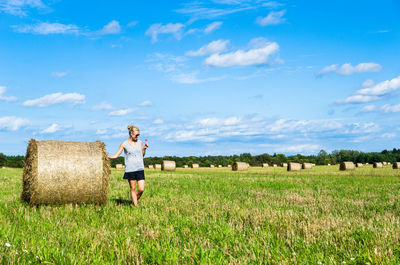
{"x":3,"y":160}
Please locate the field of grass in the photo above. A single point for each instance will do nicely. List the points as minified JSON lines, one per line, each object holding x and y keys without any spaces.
{"x":214,"y":216}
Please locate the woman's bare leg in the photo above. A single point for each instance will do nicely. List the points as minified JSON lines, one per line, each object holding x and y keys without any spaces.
{"x":132,"y":184}
{"x":140,"y":188}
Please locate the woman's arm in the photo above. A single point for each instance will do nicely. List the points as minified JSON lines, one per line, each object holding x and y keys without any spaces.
{"x":118,"y":153}
{"x":144,"y":148}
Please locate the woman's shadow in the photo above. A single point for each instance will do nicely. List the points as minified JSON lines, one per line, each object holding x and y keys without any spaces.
{"x":120,"y":201}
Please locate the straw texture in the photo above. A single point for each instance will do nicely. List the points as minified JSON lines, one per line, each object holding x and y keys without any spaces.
{"x":265,"y":165}
{"x":359,"y":165}
{"x":168,"y":165}
{"x":378,"y":165}
{"x":195,"y":165}
{"x":294,"y":166}
{"x":119,"y":166}
{"x":240,"y":166}
{"x":396,"y":165}
{"x":157,"y":166}
{"x":307,"y":166}
{"x":59,"y":172}
{"x":347,"y":165}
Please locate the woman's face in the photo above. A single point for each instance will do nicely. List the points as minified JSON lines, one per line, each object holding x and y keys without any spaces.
{"x":135,"y":134}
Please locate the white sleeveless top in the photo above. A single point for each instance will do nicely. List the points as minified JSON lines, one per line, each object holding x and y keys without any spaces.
{"x":133,"y":157}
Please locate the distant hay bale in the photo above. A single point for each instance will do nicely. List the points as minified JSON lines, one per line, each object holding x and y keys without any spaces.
{"x":265,"y":165}
{"x":229,"y":165}
{"x":168,"y":165}
{"x":378,"y":165}
{"x":306,"y":166}
{"x":359,"y":165}
{"x":367,"y":163}
{"x":59,"y":172}
{"x":284,"y":164}
{"x":240,"y":166}
{"x":347,"y":165}
{"x":219,"y":166}
{"x":151,"y":166}
{"x":185,"y":166}
{"x":294,"y":166}
{"x":396,"y":165}
{"x":313,"y":165}
{"x":274,"y":165}
{"x":3,"y":167}
{"x":195,"y":166}
{"x":157,"y":166}
{"x":384,"y":163}
{"x":329,"y":164}
{"x":119,"y":166}
{"x":212,"y":166}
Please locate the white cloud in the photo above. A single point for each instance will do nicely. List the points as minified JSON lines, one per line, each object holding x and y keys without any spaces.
{"x":388,"y":135}
{"x":132,"y":24}
{"x":158,"y":121}
{"x":387,"y":108}
{"x":213,"y":26}
{"x":145,"y":103}
{"x":121,"y":112}
{"x":56,"y":98}
{"x":103,"y":106}
{"x":368,"y":83}
{"x":211,"y":48}
{"x":255,"y":56}
{"x":44,"y":28}
{"x":12,"y":123}
{"x":273,"y":18}
{"x":368,"y":108}
{"x":381,"y":88}
{"x":18,"y":7}
{"x":111,"y":28}
{"x":170,"y":28}
{"x":52,"y":129}
{"x":373,"y":93}
{"x":2,"y":97}
{"x":299,"y":148}
{"x":348,"y":69}
{"x":59,"y":74}
{"x":192,"y":78}
{"x":272,"y":4}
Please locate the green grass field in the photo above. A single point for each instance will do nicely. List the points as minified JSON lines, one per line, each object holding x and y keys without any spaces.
{"x":214,"y":216}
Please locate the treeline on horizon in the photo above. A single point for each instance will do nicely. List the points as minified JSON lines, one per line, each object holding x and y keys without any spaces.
{"x":322,"y":158}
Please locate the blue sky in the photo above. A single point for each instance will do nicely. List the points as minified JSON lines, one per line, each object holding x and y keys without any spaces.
{"x":201,"y":77}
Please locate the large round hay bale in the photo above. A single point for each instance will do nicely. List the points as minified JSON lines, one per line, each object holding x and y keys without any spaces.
{"x":378,"y":165}
{"x":306,"y":166}
{"x":219,"y":166}
{"x":396,"y":165}
{"x":229,"y":165}
{"x":292,"y":166}
{"x":151,"y":166}
{"x":359,"y":165}
{"x":347,"y":165}
{"x":274,"y":165}
{"x":157,"y":166}
{"x":265,"y":165}
{"x":212,"y":166}
{"x":284,"y":164}
{"x":384,"y":163}
{"x":195,"y":166}
{"x":240,"y":166}
{"x":58,"y":172}
{"x":119,"y":166}
{"x":168,"y":165}
{"x":185,"y":166}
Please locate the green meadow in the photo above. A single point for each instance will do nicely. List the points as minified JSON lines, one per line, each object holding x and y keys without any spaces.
{"x":214,"y":216}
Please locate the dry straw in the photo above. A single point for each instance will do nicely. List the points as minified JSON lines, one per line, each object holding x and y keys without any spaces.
{"x":359,"y":165}
{"x":307,"y":166}
{"x":265,"y":165}
{"x":274,"y":165}
{"x":185,"y":166}
{"x":212,"y":166}
{"x":294,"y":166}
{"x":195,"y":165}
{"x":119,"y":166}
{"x":396,"y":165}
{"x":151,"y":166}
{"x":219,"y":166}
{"x":384,"y":163}
{"x":240,"y":166}
{"x":58,"y":172}
{"x":168,"y":165}
{"x":284,"y":164}
{"x":347,"y":166}
{"x":378,"y":165}
{"x":157,"y":166}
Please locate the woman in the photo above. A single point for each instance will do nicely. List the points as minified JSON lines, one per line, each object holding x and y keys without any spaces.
{"x":134,"y":166}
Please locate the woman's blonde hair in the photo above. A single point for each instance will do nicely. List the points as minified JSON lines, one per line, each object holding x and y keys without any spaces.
{"x":132,"y":128}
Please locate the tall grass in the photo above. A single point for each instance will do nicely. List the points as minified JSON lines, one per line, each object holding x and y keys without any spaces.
{"x":214,"y":216}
